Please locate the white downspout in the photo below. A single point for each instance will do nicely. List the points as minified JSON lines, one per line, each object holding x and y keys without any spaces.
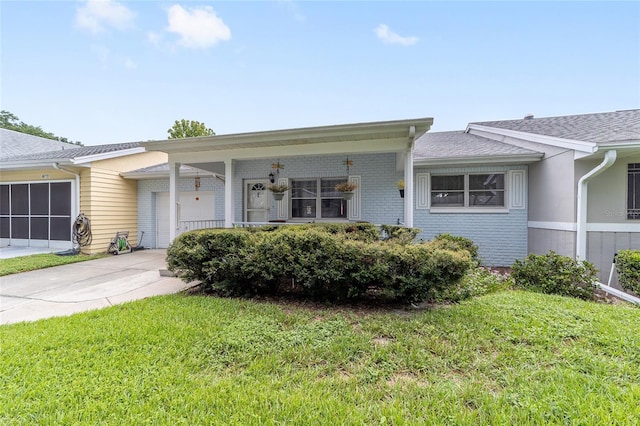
{"x":77,"y":175}
{"x":408,"y":180}
{"x":581,"y":213}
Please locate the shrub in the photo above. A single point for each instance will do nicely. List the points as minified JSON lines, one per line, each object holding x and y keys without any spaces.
{"x":452,"y":242}
{"x":323,"y":262}
{"x":476,"y":282}
{"x":555,"y":274}
{"x":628,"y":268}
{"x":399,"y":234}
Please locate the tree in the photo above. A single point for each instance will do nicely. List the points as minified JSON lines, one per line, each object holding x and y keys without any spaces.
{"x":189,"y":129}
{"x":11,"y":122}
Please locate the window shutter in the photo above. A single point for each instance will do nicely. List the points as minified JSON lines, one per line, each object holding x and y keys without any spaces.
{"x":354,"y":204}
{"x":517,"y":189}
{"x":422,"y":191}
{"x":283,"y":205}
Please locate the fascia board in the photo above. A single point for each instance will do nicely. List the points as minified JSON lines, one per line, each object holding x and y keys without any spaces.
{"x":494,"y":159}
{"x":588,"y":147}
{"x":107,"y":155}
{"x":310,"y":135}
{"x":329,"y":148}
{"x":39,"y":164}
{"x":163,"y":175}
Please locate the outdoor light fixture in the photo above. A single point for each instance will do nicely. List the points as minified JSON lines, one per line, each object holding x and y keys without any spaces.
{"x":272,"y":179}
{"x":197,"y":182}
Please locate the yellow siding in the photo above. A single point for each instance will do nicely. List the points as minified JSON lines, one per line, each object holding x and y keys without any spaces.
{"x":132,"y":162}
{"x":111,"y":203}
{"x":8,"y":176}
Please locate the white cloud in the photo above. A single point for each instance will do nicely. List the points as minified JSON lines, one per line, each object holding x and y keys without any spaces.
{"x":197,"y":27}
{"x":293,"y":8}
{"x":153,"y":37}
{"x":387,"y":36}
{"x":129,"y":64}
{"x":96,"y":15}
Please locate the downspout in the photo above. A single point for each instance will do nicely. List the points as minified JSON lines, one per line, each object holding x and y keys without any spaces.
{"x":408,"y":180}
{"x":77,"y":175}
{"x":581,"y":213}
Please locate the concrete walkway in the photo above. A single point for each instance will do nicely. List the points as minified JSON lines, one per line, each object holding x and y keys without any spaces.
{"x":94,"y":284}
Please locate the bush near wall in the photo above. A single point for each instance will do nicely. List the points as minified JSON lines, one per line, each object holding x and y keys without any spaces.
{"x":336,"y":262}
{"x":628,"y":268}
{"x":552,"y":273}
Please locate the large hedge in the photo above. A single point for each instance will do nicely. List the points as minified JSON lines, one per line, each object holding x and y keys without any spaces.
{"x":335,"y":262}
{"x":628,"y":267}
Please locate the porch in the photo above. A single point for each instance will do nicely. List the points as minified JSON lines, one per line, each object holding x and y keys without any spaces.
{"x":310,"y":161}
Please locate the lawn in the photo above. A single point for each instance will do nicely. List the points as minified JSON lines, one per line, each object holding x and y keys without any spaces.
{"x":15,"y":265}
{"x":507,"y":358}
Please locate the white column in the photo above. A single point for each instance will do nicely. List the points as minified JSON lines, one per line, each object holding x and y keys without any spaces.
{"x":408,"y":188}
{"x":174,"y":177}
{"x":408,"y":180}
{"x":229,"y":200}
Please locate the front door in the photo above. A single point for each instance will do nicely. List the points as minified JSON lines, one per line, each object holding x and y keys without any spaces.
{"x":256,"y":201}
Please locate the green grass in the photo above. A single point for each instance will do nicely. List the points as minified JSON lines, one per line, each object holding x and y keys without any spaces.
{"x":39,"y":261}
{"x":507,"y":358}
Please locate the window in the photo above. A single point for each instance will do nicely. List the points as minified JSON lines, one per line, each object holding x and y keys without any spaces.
{"x":633,"y":191}
{"x":468,"y":190}
{"x":317,"y":199}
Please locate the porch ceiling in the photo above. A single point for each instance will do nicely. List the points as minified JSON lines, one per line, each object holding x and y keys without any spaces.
{"x":389,"y":135}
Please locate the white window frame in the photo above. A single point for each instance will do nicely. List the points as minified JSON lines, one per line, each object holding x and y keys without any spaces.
{"x":630,"y":210}
{"x":467,"y":208}
{"x":318,"y":198}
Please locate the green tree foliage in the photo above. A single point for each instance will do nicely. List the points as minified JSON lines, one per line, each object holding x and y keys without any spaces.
{"x":11,"y":122}
{"x":189,"y":129}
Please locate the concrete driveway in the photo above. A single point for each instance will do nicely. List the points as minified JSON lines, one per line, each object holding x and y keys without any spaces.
{"x":94,"y":284}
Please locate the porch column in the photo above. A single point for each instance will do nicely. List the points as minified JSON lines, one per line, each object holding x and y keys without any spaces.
{"x":408,"y":181}
{"x":174,"y":177}
{"x":229,"y":201}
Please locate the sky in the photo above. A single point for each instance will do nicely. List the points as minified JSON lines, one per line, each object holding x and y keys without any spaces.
{"x":106,"y":71}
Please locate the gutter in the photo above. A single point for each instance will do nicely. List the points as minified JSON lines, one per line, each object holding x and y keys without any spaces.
{"x":581,"y":213}
{"x":77,"y":176}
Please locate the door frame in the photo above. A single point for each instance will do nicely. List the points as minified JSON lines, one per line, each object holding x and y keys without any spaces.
{"x":245,"y":197}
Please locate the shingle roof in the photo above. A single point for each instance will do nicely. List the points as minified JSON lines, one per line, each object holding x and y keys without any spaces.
{"x":164,"y":168}
{"x":14,"y":143}
{"x":618,"y":126}
{"x":458,"y":144}
{"x":73,"y":153}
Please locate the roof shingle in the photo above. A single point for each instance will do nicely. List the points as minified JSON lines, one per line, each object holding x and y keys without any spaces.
{"x":458,"y":144}
{"x":605,"y":127}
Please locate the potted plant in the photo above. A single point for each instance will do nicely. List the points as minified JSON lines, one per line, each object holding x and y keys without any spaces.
{"x":347,"y":189}
{"x":400,"y":185}
{"x":278,"y":190}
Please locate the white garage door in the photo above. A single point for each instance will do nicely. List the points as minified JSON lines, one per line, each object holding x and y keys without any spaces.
{"x":194,"y":206}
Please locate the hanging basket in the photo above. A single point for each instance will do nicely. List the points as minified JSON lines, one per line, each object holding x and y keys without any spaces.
{"x":278,"y":196}
{"x":347,"y":195}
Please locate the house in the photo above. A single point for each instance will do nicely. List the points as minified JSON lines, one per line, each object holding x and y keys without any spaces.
{"x":43,"y":191}
{"x":584,"y":193}
{"x":515,"y":187}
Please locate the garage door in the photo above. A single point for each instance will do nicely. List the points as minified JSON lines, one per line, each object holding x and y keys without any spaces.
{"x":194,"y":206}
{"x":36,"y":214}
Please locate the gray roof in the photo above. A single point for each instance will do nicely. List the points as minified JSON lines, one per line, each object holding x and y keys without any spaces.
{"x":76,"y":152}
{"x":163,"y":168}
{"x":14,"y":143}
{"x":460,"y":145}
{"x":604,"y":127}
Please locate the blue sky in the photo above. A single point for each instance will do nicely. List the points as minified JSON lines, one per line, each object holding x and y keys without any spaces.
{"x":116,"y":71}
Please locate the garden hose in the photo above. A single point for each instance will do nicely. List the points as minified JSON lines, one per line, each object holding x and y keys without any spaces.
{"x":82,"y":231}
